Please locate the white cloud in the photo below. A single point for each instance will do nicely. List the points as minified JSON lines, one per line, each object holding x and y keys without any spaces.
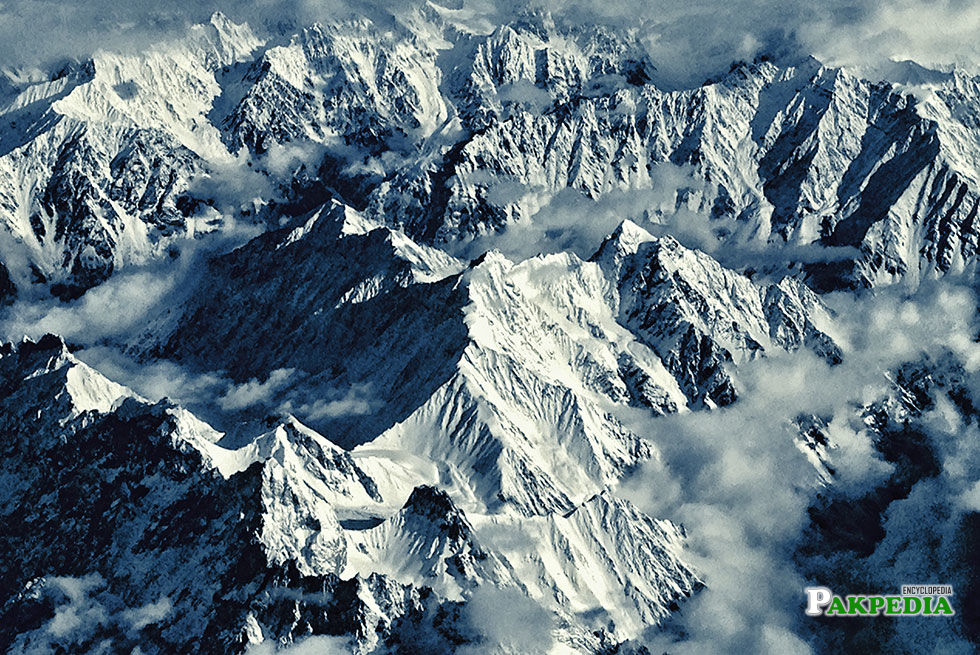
{"x":930,"y":32}
{"x":857,"y":465}
{"x":255,"y":392}
{"x":970,"y":499}
{"x":567,"y":220}
{"x":86,"y":617}
{"x":525,"y":93}
{"x":110,"y":309}
{"x":507,"y":621}
{"x":928,"y":533}
{"x":320,"y":403}
{"x":154,"y":380}
{"x":148,"y":614}
{"x":81,"y":613}
{"x":246,"y":180}
{"x":282,"y":160}
{"x":42,"y":31}
{"x":124,"y":303}
{"x":689,"y":42}
{"x":315,"y":645}
{"x":738,"y":482}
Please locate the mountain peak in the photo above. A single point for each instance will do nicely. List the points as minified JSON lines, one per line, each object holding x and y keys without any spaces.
{"x":47,"y":343}
{"x":431,"y":502}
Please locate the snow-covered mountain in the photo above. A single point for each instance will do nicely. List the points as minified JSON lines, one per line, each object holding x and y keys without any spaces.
{"x":506,"y":377}
{"x":451,"y":133}
{"x":171,"y":519}
{"x":95,"y":161}
{"x":467,"y":372}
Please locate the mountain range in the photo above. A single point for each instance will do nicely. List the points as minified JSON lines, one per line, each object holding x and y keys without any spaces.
{"x":478,"y":329}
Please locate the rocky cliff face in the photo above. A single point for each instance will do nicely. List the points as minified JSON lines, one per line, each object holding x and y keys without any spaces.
{"x":451,"y":134}
{"x":94,"y":163}
{"x":173,"y":522}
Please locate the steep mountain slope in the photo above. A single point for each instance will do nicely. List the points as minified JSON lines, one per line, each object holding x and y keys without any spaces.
{"x":595,"y":555}
{"x":347,"y":82}
{"x":506,"y":377}
{"x":146,"y":501}
{"x":93,"y":164}
{"x":412,"y":343}
{"x":141,"y":495}
{"x":450,"y":133}
{"x":698,"y":315}
{"x":800,"y":154}
{"x":428,"y":542}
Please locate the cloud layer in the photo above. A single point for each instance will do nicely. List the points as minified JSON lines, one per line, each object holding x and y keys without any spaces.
{"x":740,"y":484}
{"x":688,"y":41}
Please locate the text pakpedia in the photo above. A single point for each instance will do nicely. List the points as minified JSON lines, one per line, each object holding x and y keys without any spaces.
{"x":821,"y":601}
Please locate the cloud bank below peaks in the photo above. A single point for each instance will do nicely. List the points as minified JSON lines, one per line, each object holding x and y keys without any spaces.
{"x":740,"y":482}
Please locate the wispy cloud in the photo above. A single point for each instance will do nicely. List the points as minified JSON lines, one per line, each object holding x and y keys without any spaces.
{"x":688,"y":42}
{"x":317,"y":645}
{"x":319,"y":403}
{"x":128,"y":299}
{"x":567,"y":220}
{"x":507,"y":621}
{"x":741,"y":486}
{"x":255,"y":392}
{"x":86,"y":613}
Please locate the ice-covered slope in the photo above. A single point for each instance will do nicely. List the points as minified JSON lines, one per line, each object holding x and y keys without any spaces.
{"x":151,"y":519}
{"x":428,"y":542}
{"x":93,"y":164}
{"x":800,"y":154}
{"x":471,"y":356}
{"x":139,"y":501}
{"x":604,"y":554}
{"x":450,"y":133}
{"x":604,"y":566}
{"x":508,"y":379}
{"x":347,"y":83}
{"x":698,"y":316}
